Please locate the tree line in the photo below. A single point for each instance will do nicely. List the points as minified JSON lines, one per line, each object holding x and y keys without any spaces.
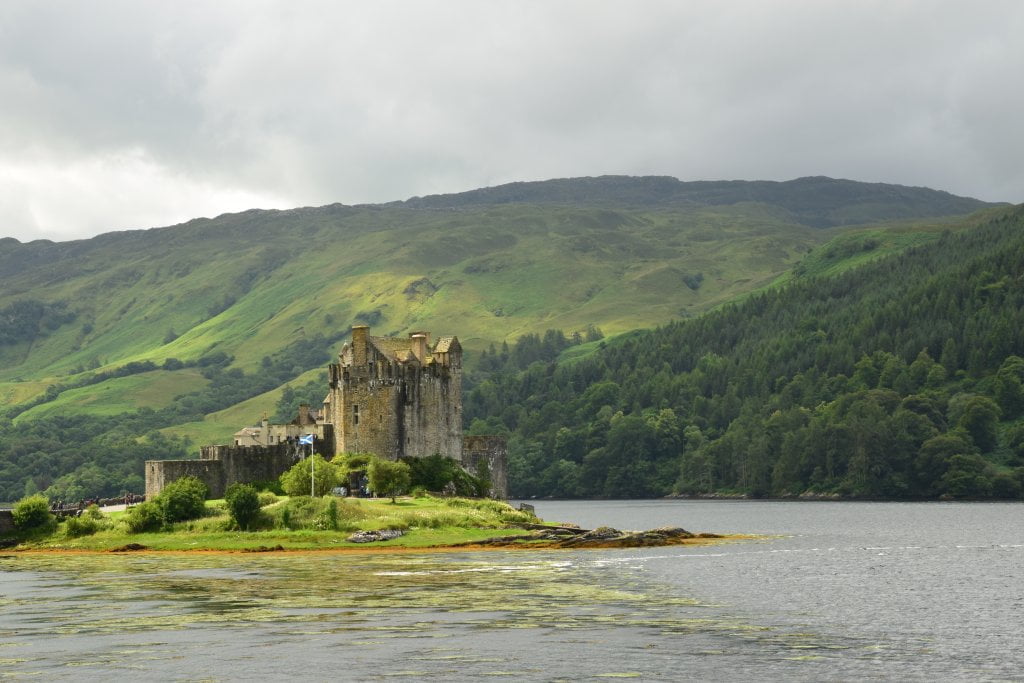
{"x":900,"y":378}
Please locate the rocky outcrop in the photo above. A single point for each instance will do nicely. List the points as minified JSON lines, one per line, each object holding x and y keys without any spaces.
{"x":601,"y":537}
{"x":371,"y":536}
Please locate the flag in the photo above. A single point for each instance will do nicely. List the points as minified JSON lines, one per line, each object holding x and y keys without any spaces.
{"x":306,"y":440}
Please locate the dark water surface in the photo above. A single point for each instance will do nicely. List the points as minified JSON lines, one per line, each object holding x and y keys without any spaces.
{"x":839,"y":591}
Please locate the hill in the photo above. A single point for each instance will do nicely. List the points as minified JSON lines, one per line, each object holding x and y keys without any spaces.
{"x":817,"y":202}
{"x":192,"y":325}
{"x":900,"y":378}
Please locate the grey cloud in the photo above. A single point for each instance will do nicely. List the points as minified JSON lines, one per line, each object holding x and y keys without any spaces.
{"x":282,"y":104}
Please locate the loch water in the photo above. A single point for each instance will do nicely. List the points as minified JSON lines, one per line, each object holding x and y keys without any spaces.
{"x":832,"y":591}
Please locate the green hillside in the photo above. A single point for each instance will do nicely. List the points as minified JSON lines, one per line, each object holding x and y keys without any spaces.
{"x":199,"y":326}
{"x":903,"y":377}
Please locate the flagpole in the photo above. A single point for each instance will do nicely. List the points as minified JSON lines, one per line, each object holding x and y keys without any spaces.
{"x":307,"y":439}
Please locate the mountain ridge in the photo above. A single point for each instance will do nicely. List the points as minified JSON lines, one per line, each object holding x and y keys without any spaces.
{"x":794,"y":195}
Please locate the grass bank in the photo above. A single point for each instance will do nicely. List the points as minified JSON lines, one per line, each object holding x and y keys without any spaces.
{"x":317,"y":524}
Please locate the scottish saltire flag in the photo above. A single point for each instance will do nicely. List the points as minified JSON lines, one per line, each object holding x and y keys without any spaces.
{"x":306,"y":440}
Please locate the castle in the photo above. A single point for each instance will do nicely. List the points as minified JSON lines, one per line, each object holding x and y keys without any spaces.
{"x":396,"y":397}
{"x":391,"y":396}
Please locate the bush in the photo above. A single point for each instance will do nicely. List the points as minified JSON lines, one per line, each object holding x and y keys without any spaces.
{"x":295,"y":481}
{"x":183,"y":499}
{"x":33,"y":513}
{"x":148,"y":516}
{"x":441,"y":473}
{"x":267,"y":498}
{"x":81,"y":526}
{"x":328,"y":519}
{"x":389,"y":478}
{"x":271,"y":486}
{"x":304,"y":512}
{"x":243,"y":503}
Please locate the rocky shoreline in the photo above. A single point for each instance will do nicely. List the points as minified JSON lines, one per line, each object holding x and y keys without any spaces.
{"x":568,"y":536}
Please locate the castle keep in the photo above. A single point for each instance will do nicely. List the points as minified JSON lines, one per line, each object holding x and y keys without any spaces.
{"x":391,"y":396}
{"x":396,"y":397}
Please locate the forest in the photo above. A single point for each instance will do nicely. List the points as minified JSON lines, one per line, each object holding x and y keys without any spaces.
{"x":898,"y":379}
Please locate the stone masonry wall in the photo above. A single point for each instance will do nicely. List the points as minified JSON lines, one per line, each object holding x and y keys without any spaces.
{"x":160,"y":473}
{"x":6,"y":521}
{"x":491,"y":451}
{"x":221,"y":466}
{"x":252,"y":464}
{"x":395,"y":409}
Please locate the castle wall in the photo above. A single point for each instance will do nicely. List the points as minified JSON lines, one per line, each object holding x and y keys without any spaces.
{"x":253,"y":464}
{"x":488,"y":453}
{"x":221,"y":466}
{"x":431,"y":413}
{"x":160,"y":473}
{"x":365,"y":401}
{"x":6,"y":522}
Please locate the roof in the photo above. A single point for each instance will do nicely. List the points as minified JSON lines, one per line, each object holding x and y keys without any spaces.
{"x":249,"y":431}
{"x":391,"y":346}
{"x":446,"y":344}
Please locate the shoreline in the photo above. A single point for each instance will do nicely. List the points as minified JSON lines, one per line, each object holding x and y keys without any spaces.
{"x":470,"y":546}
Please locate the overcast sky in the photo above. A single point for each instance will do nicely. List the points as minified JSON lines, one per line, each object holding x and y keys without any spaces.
{"x":133,"y":114}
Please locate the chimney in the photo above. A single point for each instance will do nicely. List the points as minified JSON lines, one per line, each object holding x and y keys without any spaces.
{"x":360,"y":345}
{"x":419,"y":345}
{"x":304,"y":414}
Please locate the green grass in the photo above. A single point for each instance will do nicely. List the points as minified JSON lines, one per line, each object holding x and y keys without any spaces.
{"x":153,"y":389}
{"x":427,"y":521}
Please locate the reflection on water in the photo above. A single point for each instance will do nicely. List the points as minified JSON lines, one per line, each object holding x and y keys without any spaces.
{"x":801,"y":606}
{"x":378,"y":615}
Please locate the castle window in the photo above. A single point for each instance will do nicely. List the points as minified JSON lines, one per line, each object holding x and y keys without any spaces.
{"x":355,"y":415}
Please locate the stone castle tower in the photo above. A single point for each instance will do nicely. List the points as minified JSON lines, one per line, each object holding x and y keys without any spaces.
{"x":396,"y":397}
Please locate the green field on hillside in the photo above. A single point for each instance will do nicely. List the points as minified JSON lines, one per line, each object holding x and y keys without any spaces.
{"x":158,"y":319}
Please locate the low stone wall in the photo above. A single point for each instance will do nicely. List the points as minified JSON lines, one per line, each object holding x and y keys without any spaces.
{"x":257,"y":464}
{"x":160,"y":473}
{"x":221,"y":466}
{"x":6,"y":522}
{"x":488,"y":453}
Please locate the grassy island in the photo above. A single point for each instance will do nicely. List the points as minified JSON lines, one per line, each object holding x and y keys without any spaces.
{"x":331,"y":523}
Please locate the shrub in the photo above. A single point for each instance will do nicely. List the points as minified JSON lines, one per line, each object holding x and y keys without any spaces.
{"x":303,"y":512}
{"x":94,"y":512}
{"x":389,"y":478}
{"x":33,"y":513}
{"x":148,"y":516}
{"x":267,"y":498}
{"x":183,"y":499}
{"x":352,"y":466}
{"x":271,"y":486}
{"x":81,"y":526}
{"x":243,"y":503}
{"x":441,"y":473}
{"x":295,"y":481}
{"x":328,"y":519}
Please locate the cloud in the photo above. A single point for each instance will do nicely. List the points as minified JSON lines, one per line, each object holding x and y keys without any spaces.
{"x":90,"y":195}
{"x":195,"y":109}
